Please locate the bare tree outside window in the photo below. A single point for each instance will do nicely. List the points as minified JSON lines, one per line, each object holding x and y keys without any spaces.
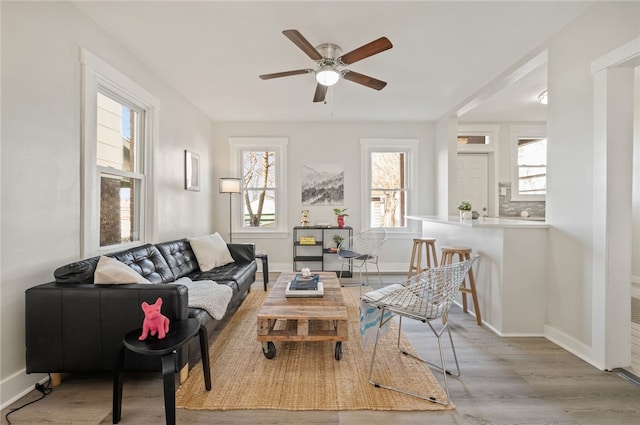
{"x":259,"y":188}
{"x":388,"y":189}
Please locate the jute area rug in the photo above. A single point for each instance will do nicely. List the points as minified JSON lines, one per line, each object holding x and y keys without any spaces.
{"x":305,"y":375}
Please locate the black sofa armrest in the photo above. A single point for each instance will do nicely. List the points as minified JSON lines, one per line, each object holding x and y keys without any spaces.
{"x":79,"y":327}
{"x":242,"y":252}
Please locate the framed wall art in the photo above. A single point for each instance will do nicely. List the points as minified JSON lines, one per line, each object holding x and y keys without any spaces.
{"x":322,"y":184}
{"x":191,"y":171}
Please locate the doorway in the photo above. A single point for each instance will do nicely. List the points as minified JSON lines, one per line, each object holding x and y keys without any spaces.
{"x":473,"y":180}
{"x":616,"y":143}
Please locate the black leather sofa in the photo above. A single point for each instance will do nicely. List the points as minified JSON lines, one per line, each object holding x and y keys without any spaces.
{"x":73,"y":325}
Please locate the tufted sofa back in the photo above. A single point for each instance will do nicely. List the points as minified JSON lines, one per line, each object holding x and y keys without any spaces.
{"x":148,"y":262}
{"x":145,"y":259}
{"x":179,"y":256}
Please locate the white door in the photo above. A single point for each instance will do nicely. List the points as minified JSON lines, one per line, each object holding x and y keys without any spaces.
{"x":473,"y":177}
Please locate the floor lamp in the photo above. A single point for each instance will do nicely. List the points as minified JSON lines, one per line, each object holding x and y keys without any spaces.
{"x":229,"y":185}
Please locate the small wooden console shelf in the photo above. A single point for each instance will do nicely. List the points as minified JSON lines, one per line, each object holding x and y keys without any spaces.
{"x":321,"y":256}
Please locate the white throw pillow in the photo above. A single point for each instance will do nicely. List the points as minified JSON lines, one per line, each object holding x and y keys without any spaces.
{"x":211,"y":251}
{"x":111,"y":271}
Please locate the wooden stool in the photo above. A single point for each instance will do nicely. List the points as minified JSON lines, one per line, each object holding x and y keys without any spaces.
{"x":463,"y":253}
{"x":430,"y":255}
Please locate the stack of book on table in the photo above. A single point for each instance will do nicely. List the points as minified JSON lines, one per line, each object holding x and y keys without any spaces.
{"x":307,"y":240}
{"x":304,"y":286}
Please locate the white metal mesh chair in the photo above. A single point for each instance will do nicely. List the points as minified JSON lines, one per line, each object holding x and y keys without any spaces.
{"x":361,"y":250}
{"x":425,"y":297}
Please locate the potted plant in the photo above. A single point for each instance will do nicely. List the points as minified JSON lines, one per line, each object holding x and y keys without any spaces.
{"x":337,"y":239}
{"x":341,"y":215}
{"x":465,"y":209}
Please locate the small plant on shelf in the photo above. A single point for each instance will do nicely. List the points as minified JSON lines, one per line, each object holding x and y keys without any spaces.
{"x":341,"y":213}
{"x":337,"y":239}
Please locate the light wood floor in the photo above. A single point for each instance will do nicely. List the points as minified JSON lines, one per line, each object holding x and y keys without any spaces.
{"x":504,"y":381}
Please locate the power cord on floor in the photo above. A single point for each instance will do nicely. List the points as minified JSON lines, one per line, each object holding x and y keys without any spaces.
{"x":44,"y":389}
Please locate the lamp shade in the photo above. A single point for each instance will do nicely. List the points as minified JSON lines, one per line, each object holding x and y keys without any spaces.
{"x":229,"y":185}
{"x":327,"y":76}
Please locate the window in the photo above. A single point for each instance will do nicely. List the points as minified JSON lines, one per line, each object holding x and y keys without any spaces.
{"x":258,"y":175}
{"x":118,"y":164}
{"x":477,"y":137}
{"x":120,"y":121}
{"x":471,"y":139}
{"x":260,"y":163}
{"x":529,"y":176}
{"x":532,"y":166}
{"x":389,"y":176}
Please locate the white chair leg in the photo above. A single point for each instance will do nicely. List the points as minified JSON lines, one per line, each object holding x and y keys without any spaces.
{"x":379,"y":274}
{"x":441,"y":367}
{"x":366,"y":272}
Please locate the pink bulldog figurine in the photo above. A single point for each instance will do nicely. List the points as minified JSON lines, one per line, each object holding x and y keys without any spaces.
{"x":154,"y":321}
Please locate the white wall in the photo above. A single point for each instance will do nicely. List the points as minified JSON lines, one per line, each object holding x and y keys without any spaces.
{"x":570,"y":176}
{"x":446,"y":133}
{"x":334,"y":142}
{"x":40,"y":158}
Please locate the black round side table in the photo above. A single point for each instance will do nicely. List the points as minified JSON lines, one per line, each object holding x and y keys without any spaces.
{"x":180,"y":332}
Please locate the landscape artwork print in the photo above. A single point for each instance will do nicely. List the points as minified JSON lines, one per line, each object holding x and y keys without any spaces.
{"x":322,"y":184}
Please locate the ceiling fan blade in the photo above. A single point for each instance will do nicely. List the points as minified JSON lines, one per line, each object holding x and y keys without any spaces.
{"x":369,"y":49}
{"x":365,"y":80}
{"x":285,"y":74}
{"x":321,"y":93}
{"x":302,"y":43}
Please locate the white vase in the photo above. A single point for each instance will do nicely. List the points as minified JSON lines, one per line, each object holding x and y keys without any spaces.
{"x":465,"y":215}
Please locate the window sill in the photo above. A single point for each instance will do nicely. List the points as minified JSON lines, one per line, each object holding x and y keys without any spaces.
{"x":261,"y":234}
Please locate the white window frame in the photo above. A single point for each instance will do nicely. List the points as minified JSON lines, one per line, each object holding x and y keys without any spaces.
{"x":410,"y":148}
{"x":488,"y":130}
{"x":97,"y":75}
{"x":275,"y":144}
{"x":519,"y":132}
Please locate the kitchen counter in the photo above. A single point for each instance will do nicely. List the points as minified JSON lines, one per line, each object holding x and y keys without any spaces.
{"x":510,"y":273}
{"x":496,"y":222}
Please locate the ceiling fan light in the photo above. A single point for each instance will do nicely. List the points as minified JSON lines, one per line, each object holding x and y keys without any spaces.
{"x":327,"y":76}
{"x":543,"y":97}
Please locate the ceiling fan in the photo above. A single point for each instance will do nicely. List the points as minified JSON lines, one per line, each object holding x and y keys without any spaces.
{"x":330,"y":61}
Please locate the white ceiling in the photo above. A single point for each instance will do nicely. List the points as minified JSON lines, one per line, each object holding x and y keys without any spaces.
{"x":444,"y":53}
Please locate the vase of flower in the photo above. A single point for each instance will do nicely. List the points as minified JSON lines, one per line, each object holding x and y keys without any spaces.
{"x":341,"y":214}
{"x":464,"y":207}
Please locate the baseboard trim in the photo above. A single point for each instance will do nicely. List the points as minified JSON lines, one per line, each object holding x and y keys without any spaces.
{"x":18,"y":385}
{"x":572,"y":345}
{"x":386,"y":268}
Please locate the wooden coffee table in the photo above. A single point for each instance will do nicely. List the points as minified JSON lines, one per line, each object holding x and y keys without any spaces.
{"x":307,"y":319}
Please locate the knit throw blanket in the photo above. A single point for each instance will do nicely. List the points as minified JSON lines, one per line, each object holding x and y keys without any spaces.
{"x":207,"y":295}
{"x":370,"y":314}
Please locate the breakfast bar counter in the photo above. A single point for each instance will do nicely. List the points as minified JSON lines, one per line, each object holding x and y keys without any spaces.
{"x":510,"y":273}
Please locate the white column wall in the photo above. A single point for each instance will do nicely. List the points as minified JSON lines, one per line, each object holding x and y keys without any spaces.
{"x":40,"y":170}
{"x":613,"y":145}
{"x":572,"y":180}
